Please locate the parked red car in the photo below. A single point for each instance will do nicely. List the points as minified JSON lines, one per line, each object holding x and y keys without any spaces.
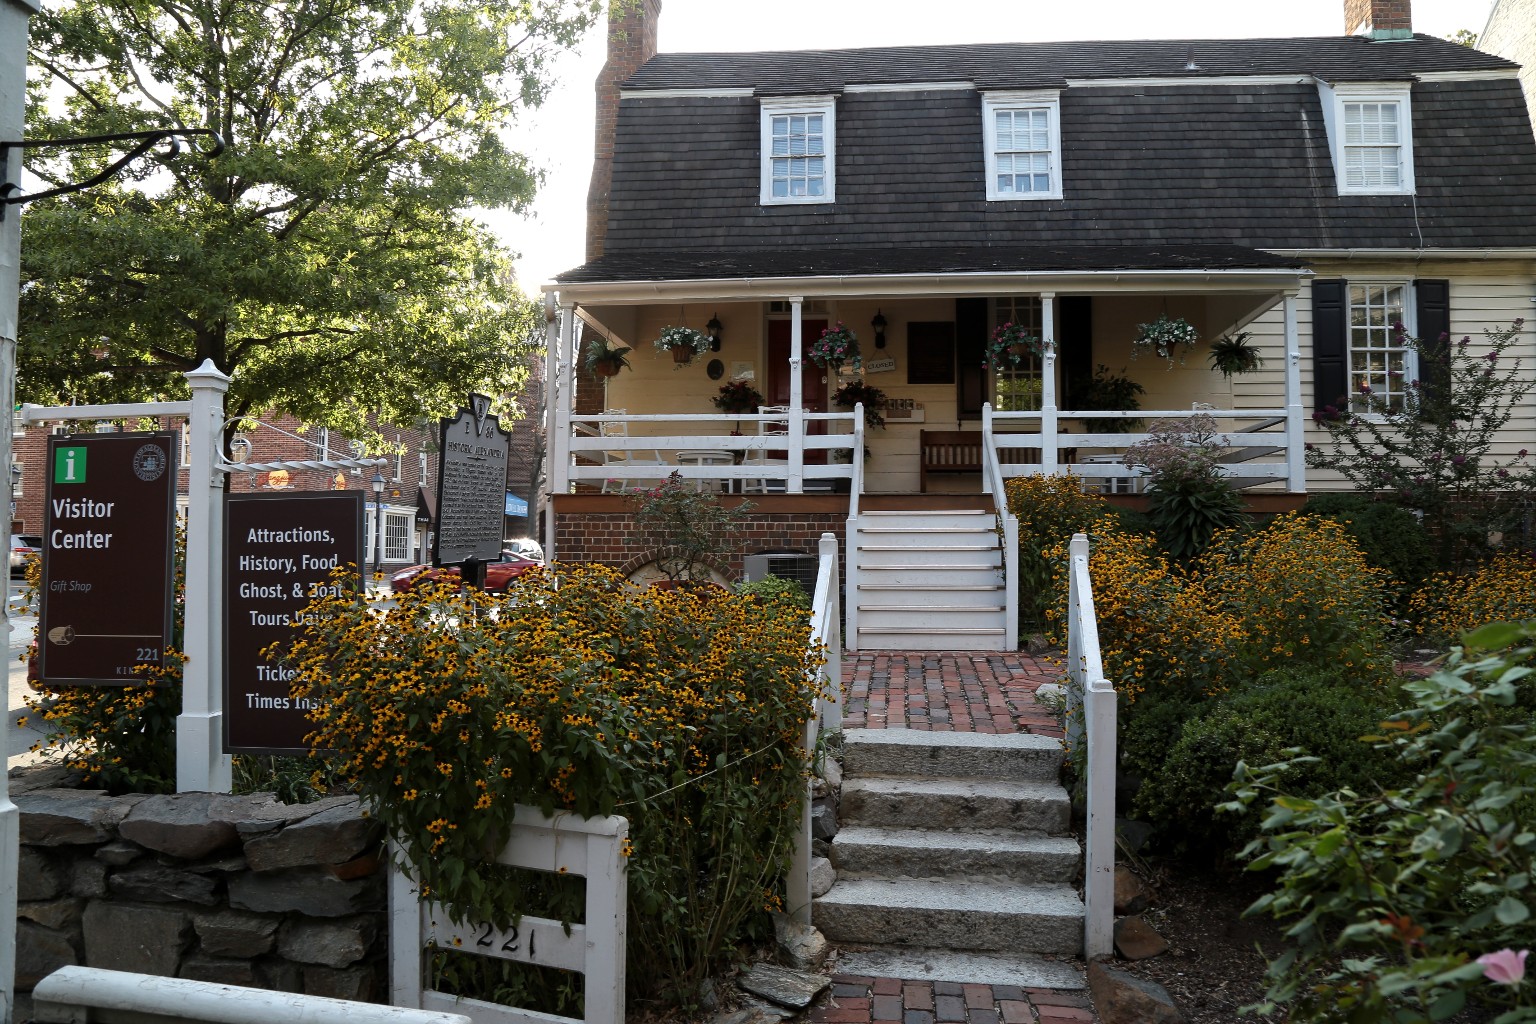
{"x":497,"y":574}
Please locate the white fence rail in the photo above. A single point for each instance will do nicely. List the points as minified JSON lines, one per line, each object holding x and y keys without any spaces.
{"x":994,"y":483}
{"x":564,"y":843}
{"x":826,"y":624}
{"x":1091,"y":724}
{"x":77,"y":995}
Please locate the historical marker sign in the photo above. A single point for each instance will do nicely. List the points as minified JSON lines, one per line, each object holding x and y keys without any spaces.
{"x":279,"y":553}
{"x":471,"y":485}
{"x":107,"y":557}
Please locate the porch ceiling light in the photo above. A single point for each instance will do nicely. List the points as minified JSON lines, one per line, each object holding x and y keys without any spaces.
{"x":714,"y":326}
{"x":878,"y":323}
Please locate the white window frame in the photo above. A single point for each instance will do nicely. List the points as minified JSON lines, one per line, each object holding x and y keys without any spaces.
{"x":1410,"y":325}
{"x":1335,"y":98}
{"x":399,"y":531}
{"x":993,"y":103}
{"x":780,"y":106}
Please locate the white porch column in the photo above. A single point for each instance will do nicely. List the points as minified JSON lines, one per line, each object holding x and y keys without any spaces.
{"x":796,"y":483}
{"x":563,"y":399}
{"x":1049,"y":448}
{"x":1295,"y":423}
{"x":201,"y":764}
{"x":554,"y":478}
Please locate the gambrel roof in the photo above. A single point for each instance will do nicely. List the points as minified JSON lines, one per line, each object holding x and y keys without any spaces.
{"x":1155,"y":157}
{"x":1050,"y":65}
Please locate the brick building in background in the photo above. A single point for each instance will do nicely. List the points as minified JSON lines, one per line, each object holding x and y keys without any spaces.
{"x":409,"y":473}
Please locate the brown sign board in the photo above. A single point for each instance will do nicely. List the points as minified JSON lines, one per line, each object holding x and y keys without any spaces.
{"x":280,"y":551}
{"x":108,"y":552}
{"x":471,"y":485}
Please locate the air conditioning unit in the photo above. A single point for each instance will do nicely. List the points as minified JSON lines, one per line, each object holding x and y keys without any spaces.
{"x":789,"y":566}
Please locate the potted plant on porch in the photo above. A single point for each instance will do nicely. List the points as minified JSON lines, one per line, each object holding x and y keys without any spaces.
{"x":738,"y":397}
{"x":1233,"y":356}
{"x":683,"y":342}
{"x":836,"y":347}
{"x":1011,"y":344}
{"x":856,"y":391}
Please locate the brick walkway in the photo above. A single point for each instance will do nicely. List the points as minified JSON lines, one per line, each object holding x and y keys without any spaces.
{"x":892,"y":1001}
{"x":947,"y":692}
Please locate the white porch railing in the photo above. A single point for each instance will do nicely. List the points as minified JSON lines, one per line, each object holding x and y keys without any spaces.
{"x":1091,"y":727}
{"x":596,"y":457}
{"x":1255,"y":435}
{"x":851,"y":529}
{"x":825,"y":625}
{"x":993,"y":482}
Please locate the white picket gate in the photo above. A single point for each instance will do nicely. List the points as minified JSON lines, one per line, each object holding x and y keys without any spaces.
{"x":565,"y":843}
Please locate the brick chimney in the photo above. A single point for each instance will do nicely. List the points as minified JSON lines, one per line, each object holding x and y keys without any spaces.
{"x":1378,"y":19}
{"x":631,"y":42}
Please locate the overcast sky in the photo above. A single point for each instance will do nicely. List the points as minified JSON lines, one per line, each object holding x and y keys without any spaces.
{"x":559,"y":136}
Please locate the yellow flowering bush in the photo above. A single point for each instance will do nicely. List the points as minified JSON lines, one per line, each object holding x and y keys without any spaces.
{"x":1451,"y":604}
{"x":680,"y":710}
{"x":1303,"y":594}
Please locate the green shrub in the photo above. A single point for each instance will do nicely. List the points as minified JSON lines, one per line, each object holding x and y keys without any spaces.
{"x":1324,"y":711}
{"x":1391,"y":896}
{"x":1391,"y":537}
{"x":777,"y":588}
{"x":1189,"y":499}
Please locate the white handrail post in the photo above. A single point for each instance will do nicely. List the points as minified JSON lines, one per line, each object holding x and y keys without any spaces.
{"x":563,"y":395}
{"x":987,"y":426}
{"x":796,"y":481}
{"x":1010,"y":580}
{"x":1050,"y":460}
{"x":851,"y":537}
{"x":201,"y":764}
{"x":1295,"y":441}
{"x":832,"y":708}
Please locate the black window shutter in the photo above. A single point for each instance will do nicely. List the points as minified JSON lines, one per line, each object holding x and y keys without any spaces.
{"x":1330,"y":344}
{"x":1074,"y":345}
{"x":970,"y":351}
{"x":1432,"y":301}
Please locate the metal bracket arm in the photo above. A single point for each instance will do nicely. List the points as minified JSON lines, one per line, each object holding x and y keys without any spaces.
{"x":268,"y":467}
{"x":10,"y":191}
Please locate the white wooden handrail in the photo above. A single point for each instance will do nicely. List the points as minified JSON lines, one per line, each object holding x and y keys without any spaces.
{"x":826,"y":632}
{"x":1091,"y":720}
{"x":992,"y":470}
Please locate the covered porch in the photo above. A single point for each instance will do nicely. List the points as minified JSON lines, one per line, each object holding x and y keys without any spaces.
{"x":922,"y":336}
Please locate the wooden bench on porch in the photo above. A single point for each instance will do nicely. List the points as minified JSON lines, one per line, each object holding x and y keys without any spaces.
{"x":960,"y":451}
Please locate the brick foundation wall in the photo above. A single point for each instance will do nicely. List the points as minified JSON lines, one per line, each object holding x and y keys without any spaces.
{"x":598,"y":528}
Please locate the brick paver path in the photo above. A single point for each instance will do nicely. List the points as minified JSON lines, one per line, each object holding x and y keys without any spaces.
{"x":947,"y":692}
{"x":892,"y":1001}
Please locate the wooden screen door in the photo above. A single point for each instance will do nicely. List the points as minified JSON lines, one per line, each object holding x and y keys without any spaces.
{"x":814,"y":392}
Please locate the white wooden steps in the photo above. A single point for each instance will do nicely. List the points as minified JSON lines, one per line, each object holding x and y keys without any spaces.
{"x":929,"y":580}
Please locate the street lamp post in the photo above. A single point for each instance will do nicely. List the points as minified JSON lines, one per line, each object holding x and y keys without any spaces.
{"x":378,"y":518}
{"x":15,"y":482}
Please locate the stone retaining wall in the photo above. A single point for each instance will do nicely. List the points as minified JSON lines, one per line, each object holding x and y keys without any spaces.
{"x":235,"y":889}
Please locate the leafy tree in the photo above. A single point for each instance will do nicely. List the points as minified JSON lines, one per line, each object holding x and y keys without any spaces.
{"x":1440,"y":451}
{"x":326,"y":258}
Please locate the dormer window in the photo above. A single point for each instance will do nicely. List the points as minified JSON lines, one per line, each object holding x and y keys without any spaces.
{"x":1022,"y":135}
{"x":799,"y":150}
{"x":1370,"y":133}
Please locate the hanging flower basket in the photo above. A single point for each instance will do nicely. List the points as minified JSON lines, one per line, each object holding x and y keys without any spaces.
{"x":1233,"y":356}
{"x":836,"y":346}
{"x":1011,"y":345}
{"x":683,"y":342}
{"x":603,"y":361}
{"x":1170,"y":337}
